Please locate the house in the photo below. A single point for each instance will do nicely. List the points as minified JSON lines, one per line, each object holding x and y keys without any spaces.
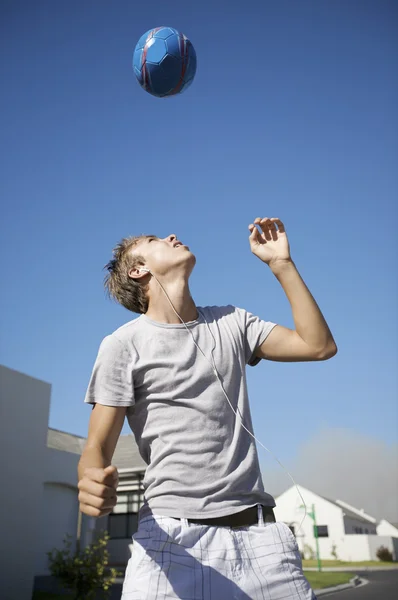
{"x":344,"y":532}
{"x":39,"y":501}
{"x":40,"y":505}
{"x":39,"y":484}
{"x":386,"y":528}
{"x":123,"y":520}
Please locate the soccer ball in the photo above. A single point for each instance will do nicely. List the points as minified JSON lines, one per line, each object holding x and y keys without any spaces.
{"x":164,"y":62}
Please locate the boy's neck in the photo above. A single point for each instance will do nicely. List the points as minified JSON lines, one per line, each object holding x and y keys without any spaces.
{"x":159,"y":308}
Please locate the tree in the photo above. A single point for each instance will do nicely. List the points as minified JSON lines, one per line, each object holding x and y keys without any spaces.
{"x":86,"y":571}
{"x":384,"y":554}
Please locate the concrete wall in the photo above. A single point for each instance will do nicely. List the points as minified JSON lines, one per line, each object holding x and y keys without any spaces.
{"x":364,"y":547}
{"x":59,"y":505}
{"x":59,"y":510}
{"x":24,"y":411}
{"x":355,"y":547}
{"x":375,"y":541}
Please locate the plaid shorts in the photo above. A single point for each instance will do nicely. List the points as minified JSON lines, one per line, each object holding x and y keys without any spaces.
{"x":174,"y":559}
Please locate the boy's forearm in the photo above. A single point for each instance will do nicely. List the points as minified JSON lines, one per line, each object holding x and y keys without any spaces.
{"x":93,"y":456}
{"x":309,"y":321}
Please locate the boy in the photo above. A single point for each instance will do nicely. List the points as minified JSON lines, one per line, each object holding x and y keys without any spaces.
{"x":207,"y":527}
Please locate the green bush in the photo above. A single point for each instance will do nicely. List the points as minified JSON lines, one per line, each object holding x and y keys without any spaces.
{"x":333,"y":552}
{"x":86,"y":571}
{"x":384,"y":554}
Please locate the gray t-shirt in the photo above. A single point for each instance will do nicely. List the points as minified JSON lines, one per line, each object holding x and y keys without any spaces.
{"x":201,"y":462}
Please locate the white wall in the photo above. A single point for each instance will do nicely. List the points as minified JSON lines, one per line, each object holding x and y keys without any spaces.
{"x":59,"y":506}
{"x":24,"y":410}
{"x":364,"y":547}
{"x":375,"y":541}
{"x":355,"y":547}
{"x":59,"y":517}
{"x":61,"y":467}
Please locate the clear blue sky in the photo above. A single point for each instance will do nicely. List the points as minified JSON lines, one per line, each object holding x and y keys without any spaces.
{"x":292,"y":114}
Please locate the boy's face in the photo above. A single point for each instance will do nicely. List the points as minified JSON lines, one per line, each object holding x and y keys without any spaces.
{"x":166,"y":255}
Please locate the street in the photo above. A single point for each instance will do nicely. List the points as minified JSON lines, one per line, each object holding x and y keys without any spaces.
{"x":383,"y":585}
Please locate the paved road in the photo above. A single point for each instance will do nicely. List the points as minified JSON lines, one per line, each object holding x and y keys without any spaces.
{"x":383,"y":585}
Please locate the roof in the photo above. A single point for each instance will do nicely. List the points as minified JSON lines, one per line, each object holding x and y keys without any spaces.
{"x":395,"y":525}
{"x":350,"y":513}
{"x":66,"y":442}
{"x":126,"y":453}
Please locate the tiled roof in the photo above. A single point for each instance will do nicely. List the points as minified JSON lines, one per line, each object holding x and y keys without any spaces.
{"x":66,"y":442}
{"x":348,"y":513}
{"x":126,"y":452}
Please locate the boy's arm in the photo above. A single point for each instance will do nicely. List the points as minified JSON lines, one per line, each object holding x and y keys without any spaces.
{"x":98,"y":480}
{"x":105,"y":426}
{"x":311,"y":339}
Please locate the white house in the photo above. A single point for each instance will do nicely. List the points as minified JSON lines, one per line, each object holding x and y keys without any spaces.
{"x":39,"y":495}
{"x":344,"y":532}
{"x":386,"y":528}
{"x":38,"y":500}
{"x":120,"y":524}
{"x":123,"y":521}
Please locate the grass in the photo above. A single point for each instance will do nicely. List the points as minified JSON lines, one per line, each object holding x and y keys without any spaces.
{"x":341,"y":563}
{"x":322,"y":580}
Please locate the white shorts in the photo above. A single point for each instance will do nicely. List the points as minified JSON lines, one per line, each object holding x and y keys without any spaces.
{"x":172,"y":558}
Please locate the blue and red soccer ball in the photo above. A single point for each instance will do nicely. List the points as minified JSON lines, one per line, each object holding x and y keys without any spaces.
{"x":164,"y":62}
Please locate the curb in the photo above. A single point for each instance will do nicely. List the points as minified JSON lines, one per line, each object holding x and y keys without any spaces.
{"x":350,"y":569}
{"x":354,"y":582}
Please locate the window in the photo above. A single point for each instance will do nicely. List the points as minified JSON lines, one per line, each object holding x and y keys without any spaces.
{"x":122,"y":526}
{"x":123,"y":521}
{"x":358,"y":529}
{"x":321,"y":531}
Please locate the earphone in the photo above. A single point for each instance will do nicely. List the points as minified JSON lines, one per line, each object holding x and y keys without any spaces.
{"x":214,"y":368}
